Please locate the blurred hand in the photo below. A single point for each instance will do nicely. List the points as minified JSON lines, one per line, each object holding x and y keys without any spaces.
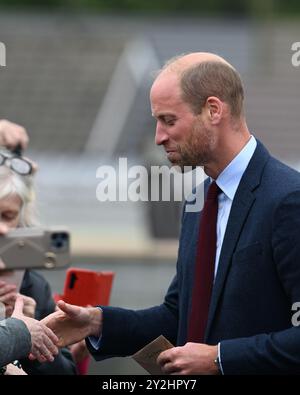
{"x":73,"y":323}
{"x":79,"y":351}
{"x":12,"y":134}
{"x":29,"y":306}
{"x":43,"y":340}
{"x":34,"y":165}
{"x":8,"y":295}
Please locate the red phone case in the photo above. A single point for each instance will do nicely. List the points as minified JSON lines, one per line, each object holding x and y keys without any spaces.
{"x":87,"y":287}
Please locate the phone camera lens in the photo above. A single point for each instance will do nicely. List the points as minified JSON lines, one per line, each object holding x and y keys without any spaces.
{"x":59,"y":240}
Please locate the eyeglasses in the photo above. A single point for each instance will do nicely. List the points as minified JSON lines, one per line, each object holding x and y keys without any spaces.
{"x":16,"y":163}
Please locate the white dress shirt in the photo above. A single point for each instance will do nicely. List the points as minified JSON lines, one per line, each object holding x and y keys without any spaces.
{"x":228,"y":181}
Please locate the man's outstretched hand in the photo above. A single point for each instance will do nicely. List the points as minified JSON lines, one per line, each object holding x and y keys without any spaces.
{"x":72,"y":323}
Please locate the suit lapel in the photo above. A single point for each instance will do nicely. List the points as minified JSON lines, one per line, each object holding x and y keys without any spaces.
{"x":241,"y":206}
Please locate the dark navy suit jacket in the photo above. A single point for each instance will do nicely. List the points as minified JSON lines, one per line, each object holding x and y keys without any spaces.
{"x":257,"y":281}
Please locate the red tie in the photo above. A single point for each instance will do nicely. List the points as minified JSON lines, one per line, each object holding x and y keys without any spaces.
{"x":205,"y":266}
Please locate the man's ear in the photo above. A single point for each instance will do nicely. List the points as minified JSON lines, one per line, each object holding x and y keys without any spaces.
{"x":215,"y":109}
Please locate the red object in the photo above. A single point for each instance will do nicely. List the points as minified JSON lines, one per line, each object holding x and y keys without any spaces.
{"x":204,"y":267}
{"x":83,"y":366}
{"x":87,"y":287}
{"x":83,"y":288}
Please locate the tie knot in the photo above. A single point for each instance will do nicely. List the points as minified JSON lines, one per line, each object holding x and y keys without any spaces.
{"x":213,"y":191}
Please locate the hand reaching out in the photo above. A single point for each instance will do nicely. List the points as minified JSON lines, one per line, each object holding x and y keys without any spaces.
{"x":72,"y":323}
{"x":43,"y":340}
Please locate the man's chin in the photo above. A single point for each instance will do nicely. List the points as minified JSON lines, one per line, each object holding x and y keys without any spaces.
{"x":176,"y":161}
{"x":178,"y":165}
{"x":173,"y":156}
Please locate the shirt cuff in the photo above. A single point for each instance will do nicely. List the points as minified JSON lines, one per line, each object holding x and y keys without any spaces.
{"x":220,"y":360}
{"x":95,"y":341}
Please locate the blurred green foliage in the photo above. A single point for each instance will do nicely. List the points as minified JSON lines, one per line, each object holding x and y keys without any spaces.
{"x":212,"y":7}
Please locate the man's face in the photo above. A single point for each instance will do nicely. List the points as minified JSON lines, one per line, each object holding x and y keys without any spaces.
{"x":186,"y":139}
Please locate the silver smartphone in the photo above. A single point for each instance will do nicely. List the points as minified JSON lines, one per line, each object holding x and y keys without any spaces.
{"x":35,"y":248}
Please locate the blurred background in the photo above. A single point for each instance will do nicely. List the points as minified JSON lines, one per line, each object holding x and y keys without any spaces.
{"x":77,"y":76}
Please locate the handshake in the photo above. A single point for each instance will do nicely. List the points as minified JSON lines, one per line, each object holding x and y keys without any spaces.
{"x":69,"y":324}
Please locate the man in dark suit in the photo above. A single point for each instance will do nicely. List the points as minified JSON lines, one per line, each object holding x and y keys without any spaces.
{"x":229,"y":307}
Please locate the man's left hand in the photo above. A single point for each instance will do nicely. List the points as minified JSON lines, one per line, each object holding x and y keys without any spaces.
{"x":192,"y":358}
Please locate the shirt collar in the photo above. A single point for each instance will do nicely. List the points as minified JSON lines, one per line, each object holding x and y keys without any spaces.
{"x":228,"y":181}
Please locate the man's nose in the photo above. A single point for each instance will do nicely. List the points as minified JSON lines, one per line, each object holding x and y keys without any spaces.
{"x":3,"y":228}
{"x":160,"y":135}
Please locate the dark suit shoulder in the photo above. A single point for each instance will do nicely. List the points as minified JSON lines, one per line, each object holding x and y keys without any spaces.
{"x":280,"y":178}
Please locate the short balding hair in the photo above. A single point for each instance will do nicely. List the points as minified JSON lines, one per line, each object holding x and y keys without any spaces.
{"x":212,"y":78}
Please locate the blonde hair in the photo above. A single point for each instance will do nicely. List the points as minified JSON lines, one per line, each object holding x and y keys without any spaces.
{"x":14,"y":184}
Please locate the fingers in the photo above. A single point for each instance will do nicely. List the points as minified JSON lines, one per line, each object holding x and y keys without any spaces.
{"x":8,"y":298}
{"x":34,"y":165}
{"x":31,"y":357}
{"x":29,"y":306}
{"x":8,"y":311}
{"x":43,"y":342}
{"x":46,"y":351}
{"x":168,"y":366}
{"x":12,"y":134}
{"x":51,"y":335}
{"x":43,"y":356}
{"x":4,"y":229}
{"x":37,"y":356}
{"x":69,"y":309}
{"x":19,"y":304}
{"x":164,"y":358}
{"x":6,"y":288}
{"x":28,"y":301}
{"x":168,"y":362}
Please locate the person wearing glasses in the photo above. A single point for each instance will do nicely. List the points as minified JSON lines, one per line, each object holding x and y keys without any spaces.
{"x":14,"y":160}
{"x":17,"y":200}
{"x":20,"y":334}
